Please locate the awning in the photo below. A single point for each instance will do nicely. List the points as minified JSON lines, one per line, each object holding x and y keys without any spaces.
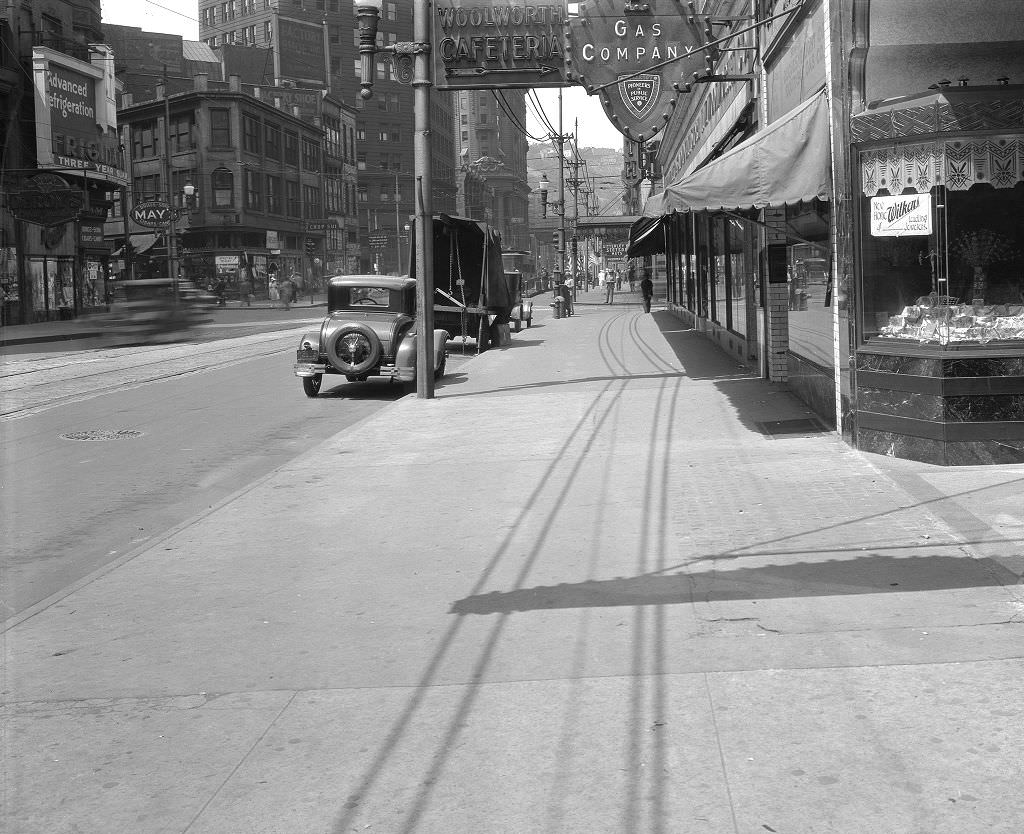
{"x":140,"y":245}
{"x":647,"y":237}
{"x":787,"y":162}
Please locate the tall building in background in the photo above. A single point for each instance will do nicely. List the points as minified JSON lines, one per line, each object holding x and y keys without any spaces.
{"x":492,"y":180}
{"x":314,"y":45}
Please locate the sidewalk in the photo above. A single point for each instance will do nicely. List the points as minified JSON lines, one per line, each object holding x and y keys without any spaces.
{"x":593,"y":586}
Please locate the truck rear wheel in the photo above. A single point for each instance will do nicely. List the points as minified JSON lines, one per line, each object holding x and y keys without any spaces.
{"x":483,"y":335}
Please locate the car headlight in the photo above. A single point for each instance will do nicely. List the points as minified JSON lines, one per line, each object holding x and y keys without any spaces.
{"x":307,"y":345}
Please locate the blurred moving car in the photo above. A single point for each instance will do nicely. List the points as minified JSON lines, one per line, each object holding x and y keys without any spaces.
{"x":158,"y":309}
{"x":370,"y":330}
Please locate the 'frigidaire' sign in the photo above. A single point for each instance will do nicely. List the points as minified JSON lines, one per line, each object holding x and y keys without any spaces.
{"x":633,"y":55}
{"x":898,"y":216}
{"x":482,"y":44}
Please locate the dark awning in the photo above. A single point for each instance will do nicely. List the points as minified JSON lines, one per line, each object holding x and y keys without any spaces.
{"x":787,"y":162}
{"x":647,"y":237}
{"x":140,"y":244}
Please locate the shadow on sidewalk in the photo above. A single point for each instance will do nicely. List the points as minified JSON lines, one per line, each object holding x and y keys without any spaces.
{"x":873,"y":574}
{"x":764,"y":407}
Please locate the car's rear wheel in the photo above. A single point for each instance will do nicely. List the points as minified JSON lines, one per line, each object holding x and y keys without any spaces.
{"x":354,"y":350}
{"x":311,"y":384}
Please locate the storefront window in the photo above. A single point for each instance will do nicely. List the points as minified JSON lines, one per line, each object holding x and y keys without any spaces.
{"x":809,"y":276}
{"x":955,"y":271}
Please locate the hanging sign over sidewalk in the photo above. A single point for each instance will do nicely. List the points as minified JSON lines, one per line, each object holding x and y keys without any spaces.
{"x":612,"y":41}
{"x":486,"y":44}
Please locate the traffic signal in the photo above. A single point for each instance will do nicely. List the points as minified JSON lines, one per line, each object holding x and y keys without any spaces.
{"x":556,"y":239}
{"x":310,"y":246}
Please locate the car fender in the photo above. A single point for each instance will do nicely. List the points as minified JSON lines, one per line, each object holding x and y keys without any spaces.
{"x":405,"y":356}
{"x":310,"y":340}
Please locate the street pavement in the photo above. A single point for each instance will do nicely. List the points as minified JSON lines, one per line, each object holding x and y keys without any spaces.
{"x":590,"y":587}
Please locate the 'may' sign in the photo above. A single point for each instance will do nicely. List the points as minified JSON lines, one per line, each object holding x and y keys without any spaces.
{"x":483,"y":45}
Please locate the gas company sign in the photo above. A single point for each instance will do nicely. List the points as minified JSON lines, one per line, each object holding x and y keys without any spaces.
{"x":482,"y":45}
{"x":633,"y":55}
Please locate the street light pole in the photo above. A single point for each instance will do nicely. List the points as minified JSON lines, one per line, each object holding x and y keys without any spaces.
{"x":367,"y":20}
{"x":398,"y":230}
{"x":172,"y":272}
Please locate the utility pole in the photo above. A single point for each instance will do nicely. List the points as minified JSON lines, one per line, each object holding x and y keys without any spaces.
{"x":423,"y":201}
{"x":172,"y":272}
{"x":560,"y":271}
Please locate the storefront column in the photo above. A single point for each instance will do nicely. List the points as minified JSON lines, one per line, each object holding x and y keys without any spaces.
{"x":777,"y":296}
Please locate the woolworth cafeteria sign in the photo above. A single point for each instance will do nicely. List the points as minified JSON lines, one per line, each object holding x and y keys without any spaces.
{"x":481,"y":45}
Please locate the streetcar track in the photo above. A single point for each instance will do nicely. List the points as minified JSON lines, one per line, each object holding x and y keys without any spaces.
{"x":132,"y":376}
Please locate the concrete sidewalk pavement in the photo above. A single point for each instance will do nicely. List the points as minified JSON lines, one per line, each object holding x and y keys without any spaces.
{"x":588,"y":588}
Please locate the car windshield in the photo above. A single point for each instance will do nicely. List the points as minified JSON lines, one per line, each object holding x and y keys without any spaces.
{"x":366,"y":298}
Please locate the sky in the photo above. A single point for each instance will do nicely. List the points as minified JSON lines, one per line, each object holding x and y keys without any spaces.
{"x":178,"y":17}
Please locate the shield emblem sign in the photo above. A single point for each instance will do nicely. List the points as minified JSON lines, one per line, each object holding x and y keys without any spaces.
{"x":636,"y":57}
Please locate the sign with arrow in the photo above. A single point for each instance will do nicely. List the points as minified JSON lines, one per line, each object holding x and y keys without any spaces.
{"x":486,"y":44}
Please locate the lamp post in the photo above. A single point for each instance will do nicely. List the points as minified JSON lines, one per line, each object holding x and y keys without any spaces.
{"x":367,"y":19}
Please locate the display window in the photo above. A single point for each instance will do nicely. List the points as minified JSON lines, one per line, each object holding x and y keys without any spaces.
{"x":942,"y":260}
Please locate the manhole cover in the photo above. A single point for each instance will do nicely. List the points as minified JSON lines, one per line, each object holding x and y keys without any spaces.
{"x":800,"y":425}
{"x":103,"y":434}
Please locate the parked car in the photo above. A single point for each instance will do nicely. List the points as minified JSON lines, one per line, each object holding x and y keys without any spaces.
{"x":369,"y":331}
{"x":522,"y":312}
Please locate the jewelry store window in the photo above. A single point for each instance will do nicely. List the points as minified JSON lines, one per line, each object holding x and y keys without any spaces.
{"x":942,"y":261}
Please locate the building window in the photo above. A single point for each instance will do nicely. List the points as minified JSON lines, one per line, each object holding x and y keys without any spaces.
{"x":272,"y":141}
{"x":220,"y":128}
{"x":364,"y":194}
{"x":253,"y":190}
{"x":180,"y":133}
{"x":291,"y":148}
{"x":144,"y":140}
{"x":251,"y":135}
{"x":222,"y":184}
{"x":148,"y":188}
{"x":310,"y":155}
{"x":392,"y":11}
{"x":292,"y":197}
{"x":274,"y":205}
{"x":268,"y":31}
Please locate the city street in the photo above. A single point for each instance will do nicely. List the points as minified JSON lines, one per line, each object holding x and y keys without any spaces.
{"x":591,"y":587}
{"x":110,"y":448}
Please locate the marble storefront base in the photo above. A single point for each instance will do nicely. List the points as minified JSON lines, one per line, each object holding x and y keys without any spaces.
{"x":952,"y":406}
{"x":814,"y":386}
{"x":940,"y":452}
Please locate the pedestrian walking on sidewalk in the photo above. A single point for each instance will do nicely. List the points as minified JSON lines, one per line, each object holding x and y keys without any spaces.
{"x":647,"y":289}
{"x":608,"y":282}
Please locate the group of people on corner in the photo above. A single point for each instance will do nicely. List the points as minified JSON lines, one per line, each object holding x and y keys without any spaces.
{"x":612,"y":279}
{"x":284,"y":291}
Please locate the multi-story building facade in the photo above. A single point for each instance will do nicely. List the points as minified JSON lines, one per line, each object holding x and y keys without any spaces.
{"x":492,"y":178}
{"x":315,"y":45}
{"x":841,"y":204}
{"x":60,"y":155}
{"x":267,"y":189}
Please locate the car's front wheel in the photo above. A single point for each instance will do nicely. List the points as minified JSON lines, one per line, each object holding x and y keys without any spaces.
{"x":441,"y":368}
{"x":311,"y":384}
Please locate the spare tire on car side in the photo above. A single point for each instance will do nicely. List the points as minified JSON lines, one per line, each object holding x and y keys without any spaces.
{"x":354,"y":349}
